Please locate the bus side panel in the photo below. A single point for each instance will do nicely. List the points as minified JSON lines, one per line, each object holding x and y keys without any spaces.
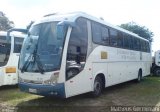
{"x":1,"y":76}
{"x":117,"y":72}
{"x":11,"y":78}
{"x":79,"y":84}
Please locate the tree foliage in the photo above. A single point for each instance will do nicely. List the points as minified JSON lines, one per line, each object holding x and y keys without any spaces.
{"x":139,"y":30}
{"x":5,"y":23}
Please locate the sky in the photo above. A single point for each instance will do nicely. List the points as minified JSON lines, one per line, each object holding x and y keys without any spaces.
{"x":143,"y":12}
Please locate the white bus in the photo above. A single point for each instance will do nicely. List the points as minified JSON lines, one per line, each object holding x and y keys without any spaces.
{"x":70,"y":54}
{"x":9,"y":54}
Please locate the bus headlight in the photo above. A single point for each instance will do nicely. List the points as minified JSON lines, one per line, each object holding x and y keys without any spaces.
{"x":53,"y":79}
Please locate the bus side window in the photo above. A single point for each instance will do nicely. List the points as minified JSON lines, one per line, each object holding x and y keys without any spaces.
{"x":100,"y":34}
{"x":105,"y":35}
{"x":142,"y":45}
{"x":136,"y":43}
{"x":148,"y":47}
{"x":120,"y":39}
{"x":113,"y":37}
{"x":131,"y":43}
{"x":18,"y":44}
{"x":96,"y":33}
{"x":126,"y":41}
{"x":5,"y":48}
{"x":77,"y":49}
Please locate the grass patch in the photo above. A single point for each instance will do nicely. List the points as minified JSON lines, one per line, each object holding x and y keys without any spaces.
{"x":12,"y":95}
{"x":145,"y":93}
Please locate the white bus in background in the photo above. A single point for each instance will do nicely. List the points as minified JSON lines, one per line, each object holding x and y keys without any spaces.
{"x":156,"y":63}
{"x":70,"y":54}
{"x":9,"y":54}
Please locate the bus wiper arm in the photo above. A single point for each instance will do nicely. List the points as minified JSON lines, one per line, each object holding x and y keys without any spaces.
{"x":39,"y":64}
{"x":26,"y":64}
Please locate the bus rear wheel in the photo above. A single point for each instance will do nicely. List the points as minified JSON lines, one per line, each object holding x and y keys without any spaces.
{"x":157,"y":72}
{"x":97,"y":87}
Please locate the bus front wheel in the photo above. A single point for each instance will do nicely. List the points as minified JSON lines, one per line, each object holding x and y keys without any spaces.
{"x":97,"y":87}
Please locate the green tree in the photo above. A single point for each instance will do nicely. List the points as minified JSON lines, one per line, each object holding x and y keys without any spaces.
{"x":5,"y":23}
{"x":139,"y":30}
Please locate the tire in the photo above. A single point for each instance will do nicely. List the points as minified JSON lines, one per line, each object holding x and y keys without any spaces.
{"x":139,"y":79}
{"x":157,"y":72}
{"x":97,"y":87}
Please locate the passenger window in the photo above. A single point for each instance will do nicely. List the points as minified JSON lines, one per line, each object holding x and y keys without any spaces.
{"x":148,"y":47}
{"x":120,"y":39}
{"x":143,"y":45}
{"x":96,"y":33}
{"x":18,"y":44}
{"x":126,"y":41}
{"x":77,"y":49}
{"x":100,"y":34}
{"x":131,"y":43}
{"x":113,"y":37}
{"x":136,"y":44}
{"x":5,"y":48}
{"x":105,"y":36}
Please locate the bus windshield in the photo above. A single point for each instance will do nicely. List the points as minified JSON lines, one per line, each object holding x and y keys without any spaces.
{"x":42,"y":50}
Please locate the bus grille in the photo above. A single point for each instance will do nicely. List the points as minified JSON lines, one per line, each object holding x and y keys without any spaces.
{"x":33,"y":82}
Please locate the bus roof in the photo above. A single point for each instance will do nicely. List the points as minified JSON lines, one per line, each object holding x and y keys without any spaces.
{"x":14,"y":34}
{"x":71,"y":17}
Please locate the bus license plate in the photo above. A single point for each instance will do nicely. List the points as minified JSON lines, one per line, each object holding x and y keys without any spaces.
{"x":32,"y":90}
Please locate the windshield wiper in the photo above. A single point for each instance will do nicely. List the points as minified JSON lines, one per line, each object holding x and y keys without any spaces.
{"x":26,"y":64}
{"x":39,"y":64}
{"x":36,"y":59}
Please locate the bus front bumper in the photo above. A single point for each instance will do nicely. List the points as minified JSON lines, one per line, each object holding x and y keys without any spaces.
{"x":57,"y":90}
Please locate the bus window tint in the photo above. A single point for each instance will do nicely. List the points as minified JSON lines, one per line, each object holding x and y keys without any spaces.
{"x":131,"y":41}
{"x":18,"y":44}
{"x":100,"y":34}
{"x":126,"y":41}
{"x":96,"y":33}
{"x":105,"y":35}
{"x":142,"y":46}
{"x":77,"y":49}
{"x":145,"y":46}
{"x":5,"y":47}
{"x":148,"y":47}
{"x":120,"y":39}
{"x":136,"y":44}
{"x":113,"y":37}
